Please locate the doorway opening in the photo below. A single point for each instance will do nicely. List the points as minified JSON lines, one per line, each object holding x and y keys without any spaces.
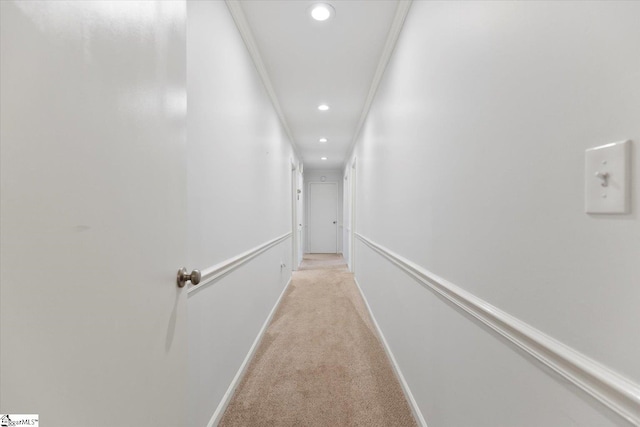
{"x":296,"y":222}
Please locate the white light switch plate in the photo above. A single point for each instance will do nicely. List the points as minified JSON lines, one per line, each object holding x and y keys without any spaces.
{"x":607,"y":178}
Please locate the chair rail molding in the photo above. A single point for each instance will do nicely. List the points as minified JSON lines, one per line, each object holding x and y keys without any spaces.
{"x":616,"y":392}
{"x":212,"y":274}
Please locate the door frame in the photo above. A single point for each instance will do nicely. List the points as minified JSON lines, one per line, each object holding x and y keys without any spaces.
{"x":352,"y":234}
{"x":308,"y":200}
{"x":294,"y":216}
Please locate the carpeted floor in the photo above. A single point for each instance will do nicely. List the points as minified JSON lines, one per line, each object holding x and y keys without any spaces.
{"x":320,"y":362}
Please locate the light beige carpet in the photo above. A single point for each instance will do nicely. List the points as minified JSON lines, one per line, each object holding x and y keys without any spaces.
{"x":320,"y":362}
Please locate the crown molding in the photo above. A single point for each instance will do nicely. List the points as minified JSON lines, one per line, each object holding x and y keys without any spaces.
{"x":392,"y":37}
{"x":237,"y":13}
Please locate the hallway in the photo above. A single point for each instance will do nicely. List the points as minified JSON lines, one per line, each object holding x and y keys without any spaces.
{"x":320,"y":362}
{"x":165,"y":165}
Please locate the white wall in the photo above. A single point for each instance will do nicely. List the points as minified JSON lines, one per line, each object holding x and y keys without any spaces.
{"x":331,"y":175}
{"x":471,"y":164}
{"x":239,"y":197}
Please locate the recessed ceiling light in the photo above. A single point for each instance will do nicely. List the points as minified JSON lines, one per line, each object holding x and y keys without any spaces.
{"x":323,"y":139}
{"x":322,"y":11}
{"x":323,"y":107}
{"x":323,"y":158}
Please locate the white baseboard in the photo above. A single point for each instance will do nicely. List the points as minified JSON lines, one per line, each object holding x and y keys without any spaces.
{"x":403,"y":383}
{"x":222,"y":406}
{"x":618,"y":393}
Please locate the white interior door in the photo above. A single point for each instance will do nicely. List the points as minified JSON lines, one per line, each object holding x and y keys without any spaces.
{"x":323,"y":217}
{"x":93,"y":212}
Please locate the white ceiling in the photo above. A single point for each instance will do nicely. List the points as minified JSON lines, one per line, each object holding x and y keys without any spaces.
{"x":310,"y":62}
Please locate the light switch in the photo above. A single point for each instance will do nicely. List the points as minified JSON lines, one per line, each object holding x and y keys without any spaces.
{"x":607,"y":178}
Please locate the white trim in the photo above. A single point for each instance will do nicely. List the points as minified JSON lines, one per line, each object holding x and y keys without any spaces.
{"x":392,"y":37}
{"x":226,"y":399}
{"x":353,"y":193}
{"x":294,"y":217}
{"x":240,"y":19}
{"x":212,"y":274}
{"x":618,"y":393}
{"x":417,"y":414}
